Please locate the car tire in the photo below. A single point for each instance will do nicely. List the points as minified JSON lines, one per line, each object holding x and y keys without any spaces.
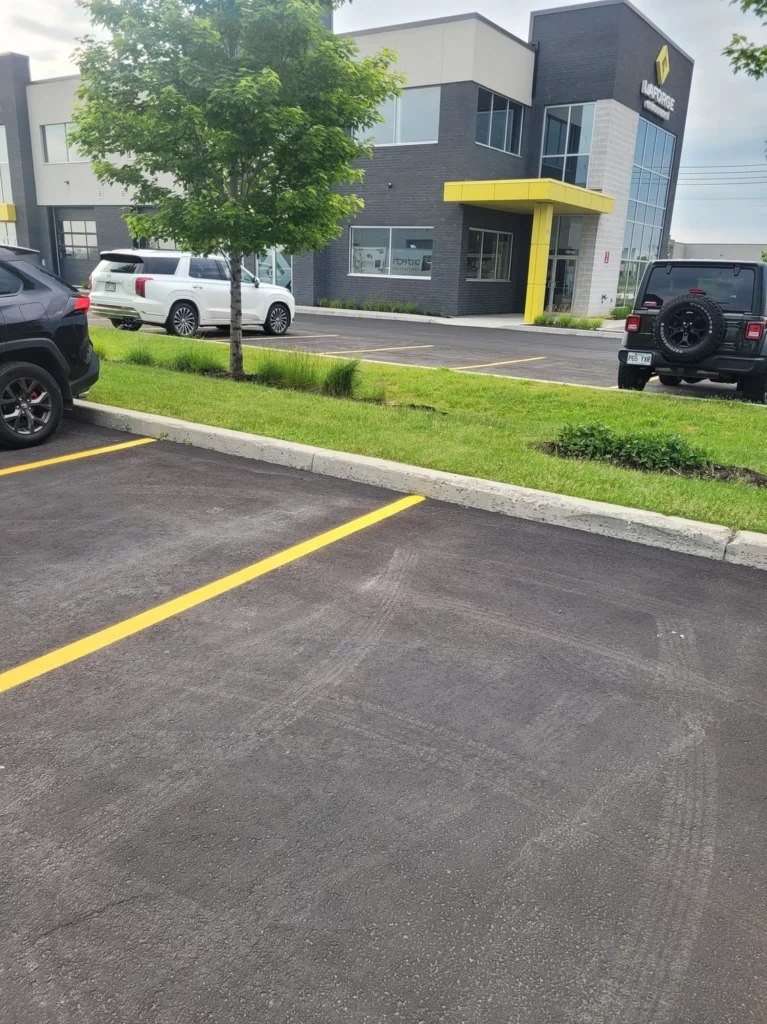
{"x":668,"y":381}
{"x":126,"y":325}
{"x":183,"y":320}
{"x":31,"y":405}
{"x":689,"y":328}
{"x":632,"y":378}
{"x":277,"y":319}
{"x":755,"y":389}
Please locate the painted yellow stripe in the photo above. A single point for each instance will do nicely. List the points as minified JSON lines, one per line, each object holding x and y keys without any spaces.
{"x":356,"y":351}
{"x":121,"y":630}
{"x":507,"y":362}
{"x":76,"y":455}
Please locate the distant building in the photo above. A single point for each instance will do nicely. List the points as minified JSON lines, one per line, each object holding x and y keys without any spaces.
{"x":746,"y":251}
{"x":511,"y":175}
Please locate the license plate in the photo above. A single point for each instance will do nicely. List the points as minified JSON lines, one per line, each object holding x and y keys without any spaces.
{"x":110,"y":286}
{"x":639,"y":358}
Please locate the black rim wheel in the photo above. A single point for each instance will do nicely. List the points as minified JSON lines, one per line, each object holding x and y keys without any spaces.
{"x":687,"y":328}
{"x":184,"y":321}
{"x":278,"y":320}
{"x":26,"y":406}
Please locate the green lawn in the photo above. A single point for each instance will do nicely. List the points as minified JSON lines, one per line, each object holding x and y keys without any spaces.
{"x":490,"y":425}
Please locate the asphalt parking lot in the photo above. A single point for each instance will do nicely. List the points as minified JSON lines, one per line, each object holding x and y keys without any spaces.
{"x":561,"y":357}
{"x":449,"y":767}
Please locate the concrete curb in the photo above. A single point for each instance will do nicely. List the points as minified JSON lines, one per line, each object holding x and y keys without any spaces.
{"x":706,"y":540}
{"x":447,"y":321}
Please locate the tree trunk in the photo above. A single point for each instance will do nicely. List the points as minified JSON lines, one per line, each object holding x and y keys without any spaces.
{"x":235,"y":317}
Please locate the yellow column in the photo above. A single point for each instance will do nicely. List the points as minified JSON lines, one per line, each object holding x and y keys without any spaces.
{"x":543,"y":216}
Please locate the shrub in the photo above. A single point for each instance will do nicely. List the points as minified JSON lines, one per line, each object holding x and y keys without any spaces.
{"x":383,"y":307}
{"x":351,"y":304}
{"x":297,"y":370}
{"x":397,"y":307}
{"x":195,"y":360}
{"x":335,"y":304}
{"x":587,"y":323}
{"x":322,"y":302}
{"x":341,"y":378}
{"x":564,"y":320}
{"x":140,"y":354}
{"x":544,"y":320}
{"x":620,"y":312}
{"x":368,"y":305}
{"x":637,"y":449}
{"x":411,"y":307}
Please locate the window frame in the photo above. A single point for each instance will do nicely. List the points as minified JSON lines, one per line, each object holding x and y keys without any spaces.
{"x":92,"y":251}
{"x":69,"y":160}
{"x":397,"y":102}
{"x":487,"y":145}
{"x":389,"y":227}
{"x":564,"y":157}
{"x":491,"y":231}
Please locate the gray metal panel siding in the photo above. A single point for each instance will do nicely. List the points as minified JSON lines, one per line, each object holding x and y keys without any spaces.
{"x":417,"y":175}
{"x":14,"y":76}
{"x":111,"y":233}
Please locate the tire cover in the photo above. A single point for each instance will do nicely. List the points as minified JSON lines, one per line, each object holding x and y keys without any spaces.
{"x":689,"y":328}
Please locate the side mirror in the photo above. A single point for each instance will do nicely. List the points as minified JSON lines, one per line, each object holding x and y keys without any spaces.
{"x":256,"y":283}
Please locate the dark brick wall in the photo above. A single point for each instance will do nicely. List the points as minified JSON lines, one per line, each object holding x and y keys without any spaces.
{"x":404,"y":186}
{"x":31,"y":228}
{"x":111,"y":233}
{"x":605,"y":52}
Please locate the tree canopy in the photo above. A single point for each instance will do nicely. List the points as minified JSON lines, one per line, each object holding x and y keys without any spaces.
{"x":231,"y":123}
{"x":745,"y":55}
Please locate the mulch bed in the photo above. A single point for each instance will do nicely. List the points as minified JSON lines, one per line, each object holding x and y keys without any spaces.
{"x":722,"y":474}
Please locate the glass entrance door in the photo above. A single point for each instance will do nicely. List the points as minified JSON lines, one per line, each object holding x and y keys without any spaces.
{"x":560,"y":285}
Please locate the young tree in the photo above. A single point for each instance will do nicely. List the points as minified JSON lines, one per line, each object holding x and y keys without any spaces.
{"x":234,"y":121}
{"x":745,"y":55}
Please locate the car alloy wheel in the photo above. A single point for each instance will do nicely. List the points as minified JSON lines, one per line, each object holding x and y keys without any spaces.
{"x":687,"y":328}
{"x":279,"y":320}
{"x":26,"y":406}
{"x":184,"y":321}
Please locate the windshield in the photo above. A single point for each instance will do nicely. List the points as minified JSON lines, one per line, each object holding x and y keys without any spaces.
{"x":731,"y":287}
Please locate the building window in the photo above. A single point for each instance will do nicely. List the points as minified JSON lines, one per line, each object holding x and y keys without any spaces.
{"x":6,"y":195}
{"x":57,"y":146}
{"x":489,"y":256}
{"x":391,"y":252}
{"x":410,"y":117}
{"x":499,"y":122}
{"x":567,"y":135}
{"x":275,"y":267}
{"x":648,"y":199}
{"x":77,"y":240}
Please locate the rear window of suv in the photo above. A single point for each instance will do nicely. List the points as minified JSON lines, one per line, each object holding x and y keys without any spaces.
{"x":157,"y":265}
{"x":731,"y":287}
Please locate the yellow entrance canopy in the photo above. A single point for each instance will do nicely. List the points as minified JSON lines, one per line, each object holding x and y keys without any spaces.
{"x":544,"y":198}
{"x":522,"y":195}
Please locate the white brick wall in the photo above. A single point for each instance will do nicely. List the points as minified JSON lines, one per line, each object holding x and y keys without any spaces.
{"x":612,"y":160}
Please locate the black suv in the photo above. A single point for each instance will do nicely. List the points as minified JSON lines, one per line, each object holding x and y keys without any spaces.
{"x":699,"y":320}
{"x":46,"y":356}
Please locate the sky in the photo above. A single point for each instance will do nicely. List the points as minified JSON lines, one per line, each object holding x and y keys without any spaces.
{"x":727,"y":121}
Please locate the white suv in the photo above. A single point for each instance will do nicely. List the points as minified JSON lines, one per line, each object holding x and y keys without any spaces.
{"x":181,"y":292}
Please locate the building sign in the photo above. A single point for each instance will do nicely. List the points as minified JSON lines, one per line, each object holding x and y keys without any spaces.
{"x":659,"y":102}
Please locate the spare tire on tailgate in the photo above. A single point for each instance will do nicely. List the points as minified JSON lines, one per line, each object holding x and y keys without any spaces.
{"x":689,"y":328}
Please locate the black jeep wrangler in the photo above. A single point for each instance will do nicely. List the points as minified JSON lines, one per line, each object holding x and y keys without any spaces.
{"x":699,"y":320}
{"x":46,"y":356}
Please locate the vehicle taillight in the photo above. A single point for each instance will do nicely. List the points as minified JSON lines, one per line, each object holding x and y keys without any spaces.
{"x":754,"y":331}
{"x":633,"y":323}
{"x":83,"y":303}
{"x":141,"y":286}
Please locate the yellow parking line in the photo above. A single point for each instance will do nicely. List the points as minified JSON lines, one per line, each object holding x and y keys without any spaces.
{"x":76,"y":455}
{"x":121,"y":630}
{"x":355,"y":351}
{"x":507,"y":362}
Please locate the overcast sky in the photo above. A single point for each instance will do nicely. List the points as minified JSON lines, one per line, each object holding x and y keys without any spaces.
{"x":727,"y":122}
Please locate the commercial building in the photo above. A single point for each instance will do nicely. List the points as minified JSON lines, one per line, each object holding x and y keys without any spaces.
{"x":510,"y":176}
{"x":749,"y":252}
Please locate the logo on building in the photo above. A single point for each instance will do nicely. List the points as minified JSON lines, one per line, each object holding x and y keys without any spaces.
{"x":662,"y":66}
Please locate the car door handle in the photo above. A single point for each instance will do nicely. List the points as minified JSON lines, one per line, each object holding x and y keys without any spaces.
{"x":197,"y":286}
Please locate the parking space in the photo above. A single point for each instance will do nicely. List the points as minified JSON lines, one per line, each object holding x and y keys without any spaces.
{"x":441,"y":766}
{"x":562,"y":357}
